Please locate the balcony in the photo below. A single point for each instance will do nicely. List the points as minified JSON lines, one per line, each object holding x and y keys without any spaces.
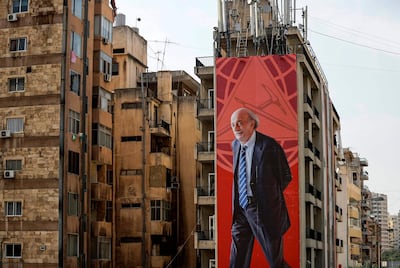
{"x":204,"y":152}
{"x":313,"y":239}
{"x":315,"y":121}
{"x":101,"y":192}
{"x":160,"y":159}
{"x":205,"y":109}
{"x":339,"y":213}
{"x":161,"y":228}
{"x":364,"y":175}
{"x":354,"y":212}
{"x":204,"y":68}
{"x":308,"y":111}
{"x":308,"y":149}
{"x":204,"y":196}
{"x":354,"y":192}
{"x":355,"y":231}
{"x":203,"y":239}
{"x":160,"y":261}
{"x":101,"y":228}
{"x":338,"y":182}
{"x":363,"y":162}
{"x":159,"y":128}
{"x":101,"y":154}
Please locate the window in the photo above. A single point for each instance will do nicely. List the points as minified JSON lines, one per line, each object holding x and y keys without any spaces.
{"x":13,"y":164}
{"x":103,"y":248}
{"x":102,"y":99}
{"x":103,"y":27}
{"x":211,"y":263}
{"x":131,"y":105}
{"x":13,"y":208}
{"x":73,"y":162}
{"x":354,"y":177}
{"x":101,"y":136}
{"x":16,"y":84}
{"x":13,"y":250}
{"x":75,"y":82}
{"x":77,"y":8}
{"x":160,"y":210}
{"x":115,"y":68}
{"x":74,"y":122}
{"x":105,"y":63}
{"x":72,"y":245}
{"x":131,"y":138}
{"x":155,"y":210}
{"x":19,"y":6}
{"x":73,"y":204}
{"x":18,"y":44}
{"x":76,"y":42}
{"x":15,"y":125}
{"x":131,"y":205}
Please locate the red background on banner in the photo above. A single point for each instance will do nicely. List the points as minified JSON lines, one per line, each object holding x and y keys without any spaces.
{"x":268,"y":86}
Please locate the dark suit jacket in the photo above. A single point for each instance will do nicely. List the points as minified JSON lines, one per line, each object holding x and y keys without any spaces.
{"x":270,"y":175}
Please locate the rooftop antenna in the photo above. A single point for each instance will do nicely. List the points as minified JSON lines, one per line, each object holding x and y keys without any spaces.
{"x":165,"y":42}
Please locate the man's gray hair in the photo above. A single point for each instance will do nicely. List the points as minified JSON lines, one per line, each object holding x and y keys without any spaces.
{"x":250,"y":113}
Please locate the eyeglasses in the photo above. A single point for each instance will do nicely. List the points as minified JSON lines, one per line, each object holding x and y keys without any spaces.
{"x":239,"y":123}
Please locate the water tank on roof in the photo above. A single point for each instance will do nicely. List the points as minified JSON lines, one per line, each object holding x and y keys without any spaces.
{"x":120,"y":20}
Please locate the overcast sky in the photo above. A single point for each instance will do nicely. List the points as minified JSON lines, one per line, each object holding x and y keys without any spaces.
{"x":356,"y":42}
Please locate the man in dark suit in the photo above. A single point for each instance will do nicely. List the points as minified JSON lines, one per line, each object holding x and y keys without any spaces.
{"x":261,"y":173}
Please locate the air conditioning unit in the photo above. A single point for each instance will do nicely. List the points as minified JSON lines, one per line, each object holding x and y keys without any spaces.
{"x":106,"y":41}
{"x":12,"y":17}
{"x":107,"y":77}
{"x":9,"y":174}
{"x":5,"y":133}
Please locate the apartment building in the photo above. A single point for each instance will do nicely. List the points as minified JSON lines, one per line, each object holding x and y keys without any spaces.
{"x":319,"y":128}
{"x":393,"y":228}
{"x":380,"y":212}
{"x":204,"y":191}
{"x":55,"y":146}
{"x":155,"y":133}
{"x":354,"y":173}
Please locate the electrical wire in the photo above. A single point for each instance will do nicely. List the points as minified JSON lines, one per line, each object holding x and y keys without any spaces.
{"x":355,"y":43}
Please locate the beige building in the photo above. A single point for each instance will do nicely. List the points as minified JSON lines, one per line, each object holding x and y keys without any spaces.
{"x":55,"y":122}
{"x":155,"y":133}
{"x":353,"y":172}
{"x":380,"y":212}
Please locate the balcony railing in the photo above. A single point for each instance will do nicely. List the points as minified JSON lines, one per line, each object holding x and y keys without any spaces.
{"x":206,"y":235}
{"x":205,"y":147}
{"x":205,"y":191}
{"x":206,"y":104}
{"x":313,"y":234}
{"x":314,"y":191}
{"x":162,"y":124}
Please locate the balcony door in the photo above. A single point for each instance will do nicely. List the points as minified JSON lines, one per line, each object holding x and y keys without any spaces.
{"x":211,"y":227}
{"x":211,"y":184}
{"x":210,"y":98}
{"x":211,"y":139}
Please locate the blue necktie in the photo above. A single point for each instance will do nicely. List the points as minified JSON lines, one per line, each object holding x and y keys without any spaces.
{"x":243,"y":178}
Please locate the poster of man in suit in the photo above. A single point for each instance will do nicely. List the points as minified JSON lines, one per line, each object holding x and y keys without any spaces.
{"x":257,"y":162}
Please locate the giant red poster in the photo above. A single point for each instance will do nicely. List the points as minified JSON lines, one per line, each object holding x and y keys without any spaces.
{"x":268,"y":86}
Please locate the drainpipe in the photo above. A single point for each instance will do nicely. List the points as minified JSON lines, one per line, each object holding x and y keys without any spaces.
{"x":144,"y":255}
{"x":62,"y":137}
{"x":84,"y":110}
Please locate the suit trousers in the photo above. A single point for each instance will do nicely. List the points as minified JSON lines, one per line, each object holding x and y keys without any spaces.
{"x":247,"y":225}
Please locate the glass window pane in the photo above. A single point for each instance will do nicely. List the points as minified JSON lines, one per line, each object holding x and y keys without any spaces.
{"x":22,"y":44}
{"x":17,"y":250}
